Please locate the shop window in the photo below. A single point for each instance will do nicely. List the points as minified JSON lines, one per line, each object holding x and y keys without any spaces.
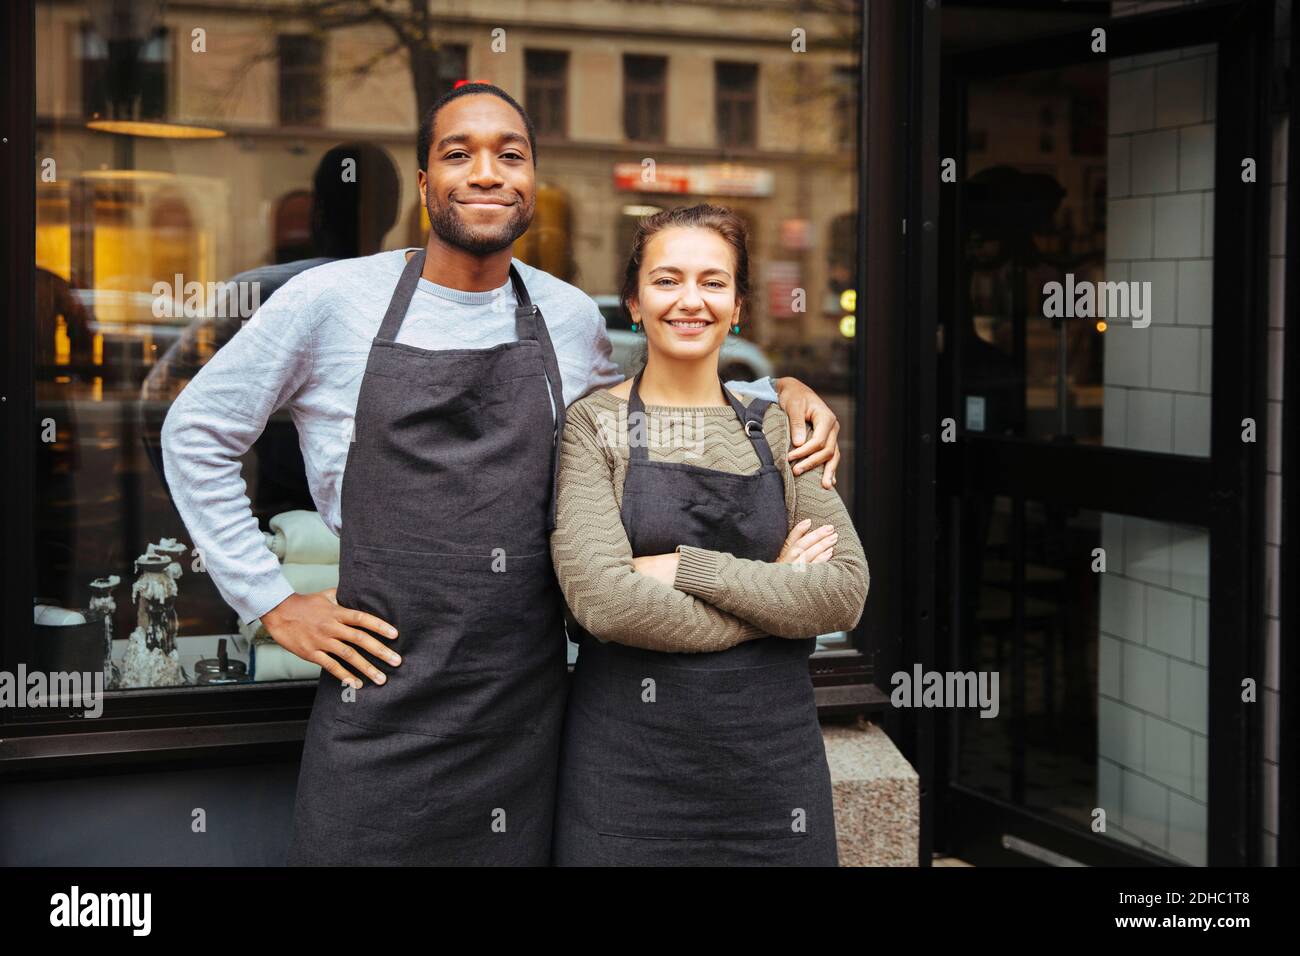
{"x":132,"y":209}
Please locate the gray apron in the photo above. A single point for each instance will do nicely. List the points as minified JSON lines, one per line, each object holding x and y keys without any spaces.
{"x":696,"y":759}
{"x":447,"y":504}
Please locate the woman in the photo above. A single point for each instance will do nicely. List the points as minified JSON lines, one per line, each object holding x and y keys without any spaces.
{"x":700,"y":570}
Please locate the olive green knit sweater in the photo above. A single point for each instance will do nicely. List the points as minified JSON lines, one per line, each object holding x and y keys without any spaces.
{"x":718,"y":600}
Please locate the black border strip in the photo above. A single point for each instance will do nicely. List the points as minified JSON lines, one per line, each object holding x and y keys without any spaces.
{"x":18,"y":294}
{"x":1289,"y":563}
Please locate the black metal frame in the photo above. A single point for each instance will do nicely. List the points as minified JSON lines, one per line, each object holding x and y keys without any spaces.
{"x":1289,"y":562}
{"x":897,"y":312}
{"x":1224,"y":492}
{"x":161,"y":726}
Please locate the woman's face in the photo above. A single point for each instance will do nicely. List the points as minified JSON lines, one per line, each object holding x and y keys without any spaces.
{"x":687,"y":293}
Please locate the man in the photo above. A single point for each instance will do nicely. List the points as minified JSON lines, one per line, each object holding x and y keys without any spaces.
{"x":441,"y":458}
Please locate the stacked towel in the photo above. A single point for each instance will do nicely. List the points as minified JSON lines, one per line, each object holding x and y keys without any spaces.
{"x":309,"y":552}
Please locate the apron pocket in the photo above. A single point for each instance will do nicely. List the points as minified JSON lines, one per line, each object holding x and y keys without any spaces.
{"x":482,"y":650}
{"x":370,"y":779}
{"x":719,"y":754}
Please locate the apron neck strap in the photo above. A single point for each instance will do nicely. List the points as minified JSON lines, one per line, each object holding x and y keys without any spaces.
{"x":525,"y":324}
{"x":751,"y":417}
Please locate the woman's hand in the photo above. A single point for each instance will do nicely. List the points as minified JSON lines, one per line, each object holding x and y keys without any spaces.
{"x":808,"y":547}
{"x":661,"y":567}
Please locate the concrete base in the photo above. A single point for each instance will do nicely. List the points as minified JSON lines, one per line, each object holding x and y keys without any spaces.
{"x":877,"y":797}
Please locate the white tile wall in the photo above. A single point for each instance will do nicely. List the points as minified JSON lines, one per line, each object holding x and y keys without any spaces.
{"x":1150,"y":423}
{"x":1144,"y":680}
{"x":1155,"y":605}
{"x":1175,"y":358}
{"x":1178,"y":226}
{"x":1192,"y":424}
{"x":1195,"y":291}
{"x":1196,"y":157}
{"x":1169,"y":622}
{"x":1155,"y":158}
{"x":1180,"y":92}
{"x":1163,"y":276}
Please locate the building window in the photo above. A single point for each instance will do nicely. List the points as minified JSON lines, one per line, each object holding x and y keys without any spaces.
{"x":301,"y":83}
{"x":546,"y":88}
{"x":846,"y":107}
{"x":736,"y":86}
{"x":644,"y":94}
{"x":453,"y":65}
{"x":124,"y":78}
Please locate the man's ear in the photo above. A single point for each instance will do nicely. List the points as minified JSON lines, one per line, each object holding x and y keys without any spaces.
{"x":422,"y":182}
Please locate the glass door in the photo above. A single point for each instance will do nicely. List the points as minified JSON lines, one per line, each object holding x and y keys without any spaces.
{"x":1100,"y":493}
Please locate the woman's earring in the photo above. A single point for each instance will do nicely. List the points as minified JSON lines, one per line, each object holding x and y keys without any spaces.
{"x":735,"y":329}
{"x":634,"y":325}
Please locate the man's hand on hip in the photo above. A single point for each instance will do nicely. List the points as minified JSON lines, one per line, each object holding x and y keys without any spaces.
{"x":316,"y":626}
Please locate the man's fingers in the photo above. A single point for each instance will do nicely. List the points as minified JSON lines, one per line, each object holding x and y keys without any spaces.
{"x":828,"y":473}
{"x":819,"y":457}
{"x":796,"y":409}
{"x":825,"y":424}
{"x":356,"y":659}
{"x":368,"y":621}
{"x":364,"y":640}
{"x":335,"y":668}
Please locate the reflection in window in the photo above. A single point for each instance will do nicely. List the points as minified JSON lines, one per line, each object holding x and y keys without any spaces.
{"x":453,"y":65}
{"x":130,"y":210}
{"x":644,"y":92}
{"x":124,"y":77}
{"x":301,"y":83}
{"x":737,"y":103}
{"x":547,"y":89}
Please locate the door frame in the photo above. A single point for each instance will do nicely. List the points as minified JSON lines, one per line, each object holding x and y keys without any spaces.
{"x":1224,"y":493}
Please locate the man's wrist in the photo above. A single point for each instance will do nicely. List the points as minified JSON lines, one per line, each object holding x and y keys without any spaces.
{"x":268,"y":600}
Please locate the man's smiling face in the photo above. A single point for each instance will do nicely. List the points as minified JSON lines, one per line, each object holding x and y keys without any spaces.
{"x":479,"y":188}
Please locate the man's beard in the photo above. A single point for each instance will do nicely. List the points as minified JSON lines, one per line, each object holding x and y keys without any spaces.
{"x":447,"y":224}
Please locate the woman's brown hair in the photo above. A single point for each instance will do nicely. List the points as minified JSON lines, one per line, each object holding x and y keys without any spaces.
{"x":720,"y":219}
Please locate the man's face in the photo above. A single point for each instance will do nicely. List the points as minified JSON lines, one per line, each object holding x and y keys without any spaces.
{"x":479,"y":187}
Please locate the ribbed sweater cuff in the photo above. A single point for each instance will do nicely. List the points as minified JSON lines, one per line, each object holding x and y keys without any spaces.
{"x":697,"y":571}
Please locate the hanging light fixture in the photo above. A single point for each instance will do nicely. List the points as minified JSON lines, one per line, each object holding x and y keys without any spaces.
{"x":127,"y":28}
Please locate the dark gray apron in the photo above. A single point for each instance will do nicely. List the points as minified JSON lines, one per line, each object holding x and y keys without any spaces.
{"x":696,"y":759}
{"x":447,"y":504}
